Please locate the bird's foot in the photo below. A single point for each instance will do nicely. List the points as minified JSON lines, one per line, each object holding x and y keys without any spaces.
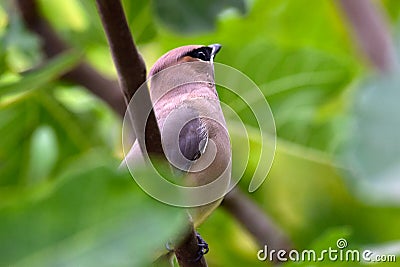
{"x":203,"y":247}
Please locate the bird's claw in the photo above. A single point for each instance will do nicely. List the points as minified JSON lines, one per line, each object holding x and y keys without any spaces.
{"x":203,"y":247}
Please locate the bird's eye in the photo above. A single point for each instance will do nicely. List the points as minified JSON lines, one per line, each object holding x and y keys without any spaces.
{"x":201,"y":55}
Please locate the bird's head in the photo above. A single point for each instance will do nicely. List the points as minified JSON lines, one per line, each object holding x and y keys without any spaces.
{"x":184,"y":69}
{"x":188,"y":53}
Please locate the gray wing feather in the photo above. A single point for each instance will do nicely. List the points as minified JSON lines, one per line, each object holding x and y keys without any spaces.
{"x":193,"y":139}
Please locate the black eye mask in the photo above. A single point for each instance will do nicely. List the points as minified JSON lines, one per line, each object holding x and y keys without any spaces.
{"x":203,"y":53}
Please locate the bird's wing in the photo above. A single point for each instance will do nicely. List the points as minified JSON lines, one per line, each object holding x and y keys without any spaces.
{"x":182,"y":151}
{"x":193,"y":139}
{"x":184,"y":136}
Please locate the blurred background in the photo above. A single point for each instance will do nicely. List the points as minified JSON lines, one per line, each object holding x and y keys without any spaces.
{"x":329,"y":71}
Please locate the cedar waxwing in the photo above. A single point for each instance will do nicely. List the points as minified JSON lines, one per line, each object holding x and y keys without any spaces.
{"x":193,"y":129}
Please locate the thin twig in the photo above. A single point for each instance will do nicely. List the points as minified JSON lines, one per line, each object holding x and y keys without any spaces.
{"x":372,"y":32}
{"x":83,"y":74}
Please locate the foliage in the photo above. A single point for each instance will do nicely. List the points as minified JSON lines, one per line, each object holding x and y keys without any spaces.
{"x":63,"y":203}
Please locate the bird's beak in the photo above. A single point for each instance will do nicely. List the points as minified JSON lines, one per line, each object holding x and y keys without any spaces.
{"x":215,"y":48}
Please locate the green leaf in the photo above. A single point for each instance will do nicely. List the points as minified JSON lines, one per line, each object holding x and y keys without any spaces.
{"x":68,"y":15}
{"x":19,"y":48}
{"x":224,"y":234}
{"x":392,"y":7}
{"x":76,"y":131}
{"x":14,"y":145}
{"x":141,"y":20}
{"x":38,"y":78}
{"x":281,"y":23}
{"x":297,"y":84}
{"x":372,"y":150}
{"x":43,"y":154}
{"x":194,"y":16}
{"x":305,"y":193}
{"x":330,"y":239}
{"x":91,"y":215}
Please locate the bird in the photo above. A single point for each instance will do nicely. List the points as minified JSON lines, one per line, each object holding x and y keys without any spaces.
{"x":193,"y":129}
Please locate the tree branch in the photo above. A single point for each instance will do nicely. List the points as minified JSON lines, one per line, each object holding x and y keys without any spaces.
{"x":372,"y":32}
{"x":127,"y":59}
{"x":131,"y":73}
{"x":187,"y":251}
{"x":255,"y":221}
{"x":83,"y":74}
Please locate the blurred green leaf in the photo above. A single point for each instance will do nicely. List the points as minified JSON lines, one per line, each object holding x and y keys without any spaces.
{"x":141,"y":20}
{"x":89,"y":216}
{"x":372,"y":152}
{"x":392,"y":7}
{"x":330,"y":239}
{"x":305,"y":194}
{"x":69,"y":15}
{"x":297,"y":84}
{"x":40,"y":77}
{"x":230,"y":244}
{"x":76,"y":130}
{"x":194,"y":16}
{"x":43,"y":154}
{"x":19,"y":48}
{"x":13,"y":143}
{"x":281,"y":23}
